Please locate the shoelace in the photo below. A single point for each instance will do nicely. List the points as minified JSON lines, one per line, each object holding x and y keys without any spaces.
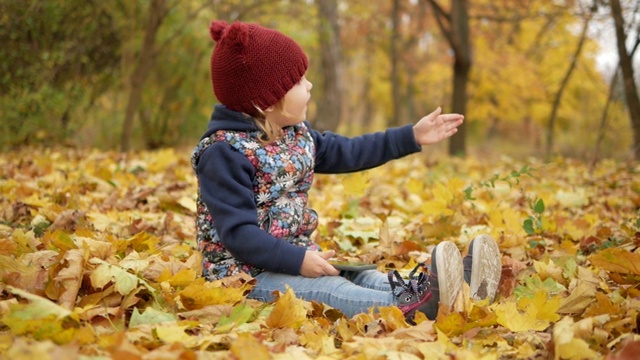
{"x":413,"y":285}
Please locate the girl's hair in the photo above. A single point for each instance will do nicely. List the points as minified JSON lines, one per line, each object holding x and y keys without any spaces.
{"x":270,"y":131}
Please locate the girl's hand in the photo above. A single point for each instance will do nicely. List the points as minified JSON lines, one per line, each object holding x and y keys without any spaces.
{"x":436,"y":127}
{"x":315,"y":264}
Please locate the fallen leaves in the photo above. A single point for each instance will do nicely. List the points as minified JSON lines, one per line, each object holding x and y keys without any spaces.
{"x":617,"y":260}
{"x":98,"y":259}
{"x":288,"y":312}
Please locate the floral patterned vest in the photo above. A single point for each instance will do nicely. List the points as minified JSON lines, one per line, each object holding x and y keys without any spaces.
{"x":284,"y":173}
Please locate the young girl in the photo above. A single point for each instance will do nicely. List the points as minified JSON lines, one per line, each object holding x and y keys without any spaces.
{"x":256,"y":162}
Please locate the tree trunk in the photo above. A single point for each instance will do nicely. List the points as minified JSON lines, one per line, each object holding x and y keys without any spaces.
{"x":455,"y":27}
{"x":368,"y":112}
{"x":563,"y":85}
{"x":462,"y":66}
{"x":395,"y":76}
{"x":329,"y":112}
{"x":630,"y":88}
{"x":605,"y":113}
{"x":146,"y":59}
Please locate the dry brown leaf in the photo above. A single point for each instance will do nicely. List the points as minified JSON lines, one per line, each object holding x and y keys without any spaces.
{"x":579,"y":298}
{"x":617,"y":261}
{"x":70,"y":277}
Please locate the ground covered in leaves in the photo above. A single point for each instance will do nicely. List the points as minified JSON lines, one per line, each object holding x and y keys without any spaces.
{"x":97,"y":261}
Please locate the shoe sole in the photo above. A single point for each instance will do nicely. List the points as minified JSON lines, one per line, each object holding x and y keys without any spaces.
{"x":486,"y":268}
{"x":450,"y":272}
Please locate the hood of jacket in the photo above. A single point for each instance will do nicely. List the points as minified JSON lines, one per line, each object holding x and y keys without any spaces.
{"x":225,"y":119}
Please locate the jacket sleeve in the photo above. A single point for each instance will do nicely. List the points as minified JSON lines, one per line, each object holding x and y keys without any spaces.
{"x":338,"y":154}
{"x":225,"y":179}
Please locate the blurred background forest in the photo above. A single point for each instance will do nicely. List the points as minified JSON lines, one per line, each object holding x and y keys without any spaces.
{"x":533,"y":77}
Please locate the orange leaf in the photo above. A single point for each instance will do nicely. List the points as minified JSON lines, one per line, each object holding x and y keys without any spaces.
{"x":287,"y":312}
{"x":248,"y":347}
{"x":617,"y":260}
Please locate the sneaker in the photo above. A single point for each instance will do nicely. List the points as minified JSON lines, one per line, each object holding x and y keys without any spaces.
{"x":422,"y":293}
{"x":483,"y":268}
{"x":446,"y":257}
{"x":412,"y":295}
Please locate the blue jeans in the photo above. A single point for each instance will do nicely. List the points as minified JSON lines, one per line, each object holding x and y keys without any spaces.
{"x":351,"y":292}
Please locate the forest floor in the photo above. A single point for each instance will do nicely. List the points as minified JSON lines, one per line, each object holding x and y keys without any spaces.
{"x":98,"y":260}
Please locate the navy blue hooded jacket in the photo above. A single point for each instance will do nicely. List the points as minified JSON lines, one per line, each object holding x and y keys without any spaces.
{"x":226,"y":180}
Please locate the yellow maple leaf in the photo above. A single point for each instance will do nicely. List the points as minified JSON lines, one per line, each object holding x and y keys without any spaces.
{"x":182,"y":278}
{"x":436,"y":349}
{"x":567,"y":346}
{"x":188,"y":203}
{"x":414,"y":186}
{"x":288,"y":311}
{"x":161,"y":160}
{"x":317,"y":339}
{"x":452,"y":324}
{"x":543,"y":306}
{"x":201,"y":293}
{"x":172,"y":333}
{"x":538,"y":313}
{"x":43,"y":319}
{"x":124,"y":282}
{"x":356,"y":184}
{"x":505,"y":218}
{"x":346,"y":329}
{"x":393,"y":317}
{"x":143,"y":241}
{"x":549,"y":270}
{"x":439,"y":205}
{"x":509,"y":317}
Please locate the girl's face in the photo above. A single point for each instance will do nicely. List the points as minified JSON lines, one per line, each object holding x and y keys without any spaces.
{"x":294,"y":109}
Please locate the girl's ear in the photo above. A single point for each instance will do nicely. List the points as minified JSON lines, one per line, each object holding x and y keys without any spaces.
{"x":269,"y":109}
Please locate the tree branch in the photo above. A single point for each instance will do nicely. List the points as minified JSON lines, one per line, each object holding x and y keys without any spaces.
{"x":441,"y":16}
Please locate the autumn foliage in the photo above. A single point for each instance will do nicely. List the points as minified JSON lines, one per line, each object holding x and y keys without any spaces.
{"x":97,"y":260}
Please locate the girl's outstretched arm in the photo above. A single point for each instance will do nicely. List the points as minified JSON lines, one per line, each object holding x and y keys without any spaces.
{"x":436,"y":127}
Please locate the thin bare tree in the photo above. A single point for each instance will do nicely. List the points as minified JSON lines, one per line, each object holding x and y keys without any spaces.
{"x":626,"y":66}
{"x":394,"y":57}
{"x":157,"y":13}
{"x":329,"y":111}
{"x":455,"y":27}
{"x":587,"y":15}
{"x":613,"y":84}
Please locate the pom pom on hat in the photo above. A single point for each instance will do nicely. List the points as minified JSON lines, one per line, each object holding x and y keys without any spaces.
{"x":235,"y":35}
{"x":216,"y":29}
{"x":253,"y":66}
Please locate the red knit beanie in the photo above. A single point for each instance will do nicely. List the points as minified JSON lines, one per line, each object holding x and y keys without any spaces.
{"x":253,"y":66}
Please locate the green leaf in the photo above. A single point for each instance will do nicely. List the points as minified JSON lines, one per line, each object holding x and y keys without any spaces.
{"x":528,"y":226}
{"x":150,"y":316}
{"x":240,"y":315}
{"x":38,"y":306}
{"x":533,"y":284}
{"x":40,"y":317}
{"x":467,"y":194}
{"x":539,"y":207}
